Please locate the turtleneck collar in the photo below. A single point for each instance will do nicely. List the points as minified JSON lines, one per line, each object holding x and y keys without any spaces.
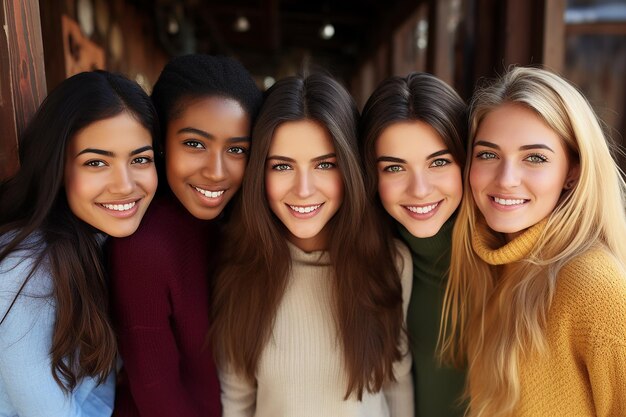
{"x":298,"y":256}
{"x":513,"y":251}
{"x":429,"y":247}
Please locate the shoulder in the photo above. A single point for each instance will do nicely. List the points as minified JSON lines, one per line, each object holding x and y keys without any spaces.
{"x":22,"y":263}
{"x":593,"y":287}
{"x":596,"y":273}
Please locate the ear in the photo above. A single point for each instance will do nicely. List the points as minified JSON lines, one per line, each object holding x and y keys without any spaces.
{"x":572,"y":177}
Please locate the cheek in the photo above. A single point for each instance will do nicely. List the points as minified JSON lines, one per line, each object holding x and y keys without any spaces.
{"x":391,"y":190}
{"x":454,"y":184}
{"x":273,"y":189}
{"x":236,"y":169}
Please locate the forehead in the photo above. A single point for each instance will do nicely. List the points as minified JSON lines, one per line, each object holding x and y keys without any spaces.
{"x":118,"y":133}
{"x":514,"y":125}
{"x":410,"y":139}
{"x":304,"y":139}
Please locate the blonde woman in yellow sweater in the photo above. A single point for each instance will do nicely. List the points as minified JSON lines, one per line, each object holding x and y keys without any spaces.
{"x":536,"y":299}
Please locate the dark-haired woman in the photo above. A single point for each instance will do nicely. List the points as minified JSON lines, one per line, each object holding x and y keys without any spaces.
{"x":161,"y":275}
{"x":413,"y":133}
{"x":86,"y":171}
{"x":308,"y":311}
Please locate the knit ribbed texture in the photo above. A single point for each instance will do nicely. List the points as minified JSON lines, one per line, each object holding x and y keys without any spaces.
{"x":160,"y":299}
{"x":437,"y":388}
{"x":301,"y":369}
{"x":583,"y":372}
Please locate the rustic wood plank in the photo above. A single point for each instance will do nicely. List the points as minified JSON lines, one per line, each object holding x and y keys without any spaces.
{"x":22,"y":75}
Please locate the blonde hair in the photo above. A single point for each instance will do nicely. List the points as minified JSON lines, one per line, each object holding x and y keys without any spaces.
{"x":490,"y":324}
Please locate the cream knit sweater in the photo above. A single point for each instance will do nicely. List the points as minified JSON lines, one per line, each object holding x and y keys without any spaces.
{"x":300,"y":371}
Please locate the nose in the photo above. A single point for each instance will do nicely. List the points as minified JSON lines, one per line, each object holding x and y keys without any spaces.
{"x":305,"y":184}
{"x":122,"y":181}
{"x":420,"y":185}
{"x":509,"y":175}
{"x":214,"y":169}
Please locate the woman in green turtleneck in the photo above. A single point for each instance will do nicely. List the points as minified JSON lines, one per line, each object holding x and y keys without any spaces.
{"x":413,"y":133}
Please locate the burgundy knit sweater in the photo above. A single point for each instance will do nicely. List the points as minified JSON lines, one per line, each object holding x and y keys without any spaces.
{"x":160,"y":302}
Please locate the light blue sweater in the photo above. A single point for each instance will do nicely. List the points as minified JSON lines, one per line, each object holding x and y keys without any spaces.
{"x":27,"y":387}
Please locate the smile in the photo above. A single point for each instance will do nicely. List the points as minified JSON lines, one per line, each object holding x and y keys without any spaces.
{"x":509,"y":201}
{"x":209,"y":194}
{"x":119,"y":207}
{"x":422,"y":209}
{"x":304,"y":209}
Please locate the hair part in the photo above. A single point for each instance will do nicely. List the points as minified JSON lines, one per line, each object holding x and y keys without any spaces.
{"x":366,"y":289}
{"x":34,"y":200}
{"x":492,"y":323}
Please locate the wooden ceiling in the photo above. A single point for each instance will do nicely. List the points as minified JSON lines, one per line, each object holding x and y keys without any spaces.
{"x":282,"y":33}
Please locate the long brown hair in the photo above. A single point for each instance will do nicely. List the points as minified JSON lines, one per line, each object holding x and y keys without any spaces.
{"x":366,"y":291}
{"x":36,"y":216}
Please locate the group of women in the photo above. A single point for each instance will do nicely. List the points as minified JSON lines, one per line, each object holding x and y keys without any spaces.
{"x":424,"y":258}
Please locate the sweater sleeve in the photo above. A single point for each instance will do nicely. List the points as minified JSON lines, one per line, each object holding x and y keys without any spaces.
{"x":25,"y":342}
{"x":238,"y":394}
{"x":399,"y":394}
{"x":141,"y":305}
{"x":606,"y":363}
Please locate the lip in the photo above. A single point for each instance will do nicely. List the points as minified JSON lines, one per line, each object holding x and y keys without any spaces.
{"x":422,"y":216}
{"x":208,"y":200}
{"x":511,"y":207}
{"x":308,"y":215}
{"x":122,"y":214}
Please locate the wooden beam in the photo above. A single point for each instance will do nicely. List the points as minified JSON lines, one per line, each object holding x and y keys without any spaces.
{"x":554,"y":35}
{"x":22,"y":75}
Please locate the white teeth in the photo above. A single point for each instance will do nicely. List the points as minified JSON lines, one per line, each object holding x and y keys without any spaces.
{"x":304,"y":210}
{"x":422,"y":210}
{"x":119,"y":207}
{"x":210,"y":194}
{"x":508,"y":202}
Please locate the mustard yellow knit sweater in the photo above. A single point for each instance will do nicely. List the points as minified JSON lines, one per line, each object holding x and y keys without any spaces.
{"x":583,"y":372}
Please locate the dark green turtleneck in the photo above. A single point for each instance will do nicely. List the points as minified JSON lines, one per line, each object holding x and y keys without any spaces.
{"x":437,"y":388}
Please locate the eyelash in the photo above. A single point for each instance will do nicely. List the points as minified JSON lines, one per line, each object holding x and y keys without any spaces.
{"x":95,"y":163}
{"x":486,"y":155}
{"x":145,"y":160}
{"x":542,"y":158}
{"x":286,"y":167}
{"x":435,"y":163}
{"x":240,"y":150}
{"x":194,"y":144}
{"x":393,"y":168}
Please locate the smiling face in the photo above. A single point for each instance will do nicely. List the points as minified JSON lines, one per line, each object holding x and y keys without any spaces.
{"x":303,"y":183}
{"x":519,"y":169}
{"x":419,"y":183}
{"x":206,"y":151}
{"x":109,"y":175}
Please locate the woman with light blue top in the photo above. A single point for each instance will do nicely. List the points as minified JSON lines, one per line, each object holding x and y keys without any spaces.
{"x":86,"y":172}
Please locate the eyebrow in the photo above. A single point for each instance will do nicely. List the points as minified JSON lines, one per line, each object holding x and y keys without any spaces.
{"x":402,"y":161}
{"x":112,"y":154}
{"x":521,"y":148}
{"x":316,"y":159}
{"x":209,"y":136}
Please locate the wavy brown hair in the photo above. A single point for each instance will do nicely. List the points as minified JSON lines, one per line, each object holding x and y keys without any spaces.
{"x":33,"y":205}
{"x":366,"y":289}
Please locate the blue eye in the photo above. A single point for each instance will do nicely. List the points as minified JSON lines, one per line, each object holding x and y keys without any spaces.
{"x":326,"y":165}
{"x":486,"y":155}
{"x":536,"y":158}
{"x":281,"y":167}
{"x":441,"y":162}
{"x":193,"y":144}
{"x":393,"y":168}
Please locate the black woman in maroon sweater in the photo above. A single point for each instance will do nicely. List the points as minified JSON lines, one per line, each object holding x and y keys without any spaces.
{"x":160,"y":276}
